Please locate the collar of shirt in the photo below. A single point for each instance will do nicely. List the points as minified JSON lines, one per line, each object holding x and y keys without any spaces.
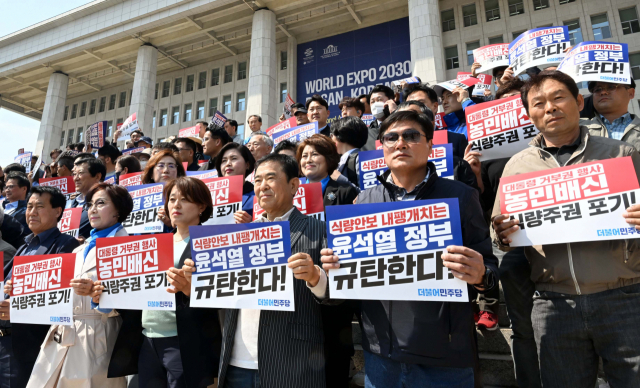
{"x":11,"y":205}
{"x":402,"y":194}
{"x":320,"y":129}
{"x":80,"y":199}
{"x":616,"y":127}
{"x":344,"y":157}
{"x":562,"y":153}
{"x":284,"y":217}
{"x":324,"y":183}
{"x":34,"y":242}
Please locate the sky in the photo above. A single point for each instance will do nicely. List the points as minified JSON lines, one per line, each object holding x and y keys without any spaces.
{"x":17,"y":131}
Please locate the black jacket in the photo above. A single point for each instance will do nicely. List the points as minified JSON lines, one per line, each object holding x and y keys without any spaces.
{"x":429,"y":333}
{"x":85,"y":226}
{"x":462,"y":172}
{"x":374,"y":131}
{"x":349,"y":169}
{"x":343,"y":193}
{"x":193,"y":166}
{"x":198,"y":331}
{"x":458,"y":142}
{"x":326,"y":131}
{"x":209,"y":165}
{"x":19,"y":214}
{"x":491,"y":171}
{"x":12,"y":231}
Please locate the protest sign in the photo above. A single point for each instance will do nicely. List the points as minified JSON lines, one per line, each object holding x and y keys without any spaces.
{"x":491,"y":56}
{"x":442,"y":156}
{"x":540,"y":46}
{"x":24,"y":160}
{"x":20,"y":151}
{"x":111,"y":180}
{"x":218,"y":119}
{"x":133,"y":179}
{"x":393,"y":251}
{"x":70,"y":221}
{"x":36,"y":167}
{"x":372,"y":164}
{"x":201,"y":162}
{"x":438,"y":120}
{"x":582,"y":202}
{"x":598,"y":61}
{"x":287,"y":106}
{"x":367,"y":118}
{"x":130,"y":151}
{"x":97,"y":133}
{"x":226,"y":194}
{"x":454,"y":83}
{"x":202,"y":175}
{"x":242,"y":266}
{"x":281,"y":126}
{"x":41,"y":292}
{"x":440,"y":137}
{"x":378,"y":145}
{"x":147,"y":200}
{"x":128,"y":126}
{"x":480,"y":87}
{"x":308,"y":200}
{"x":132,"y":270}
{"x":499,"y":128}
{"x":190,"y":132}
{"x":296,"y":134}
{"x":410,"y":80}
{"x":66,"y":185}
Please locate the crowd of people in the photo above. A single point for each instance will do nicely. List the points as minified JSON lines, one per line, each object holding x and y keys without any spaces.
{"x":570,"y":305}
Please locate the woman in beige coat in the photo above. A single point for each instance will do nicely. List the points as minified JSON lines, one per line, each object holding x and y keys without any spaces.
{"x":77,"y":356}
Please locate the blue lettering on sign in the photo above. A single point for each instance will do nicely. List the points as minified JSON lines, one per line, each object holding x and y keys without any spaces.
{"x":452,"y":292}
{"x":60,"y":319}
{"x":274,"y":302}
{"x":159,"y":303}
{"x":616,"y":232}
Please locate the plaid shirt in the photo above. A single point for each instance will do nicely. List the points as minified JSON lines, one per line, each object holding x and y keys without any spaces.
{"x":617,"y":127}
{"x":402,"y":194}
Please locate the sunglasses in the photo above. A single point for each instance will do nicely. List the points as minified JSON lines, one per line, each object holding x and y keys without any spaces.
{"x":409,"y":136}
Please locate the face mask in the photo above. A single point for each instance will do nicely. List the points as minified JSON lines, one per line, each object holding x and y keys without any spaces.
{"x":377,"y":109}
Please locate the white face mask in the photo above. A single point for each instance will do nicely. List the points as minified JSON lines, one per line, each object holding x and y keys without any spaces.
{"x":143,"y":164}
{"x":377,"y":110}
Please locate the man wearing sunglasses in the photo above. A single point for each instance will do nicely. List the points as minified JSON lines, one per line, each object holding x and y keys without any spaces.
{"x":612,"y":118}
{"x":440,"y":351}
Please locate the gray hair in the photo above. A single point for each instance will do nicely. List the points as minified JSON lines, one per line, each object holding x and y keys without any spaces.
{"x":267,"y":139}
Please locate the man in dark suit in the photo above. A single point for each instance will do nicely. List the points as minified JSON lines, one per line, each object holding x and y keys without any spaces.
{"x":318,"y":110}
{"x":280,"y":349}
{"x":19,"y":342}
{"x":382,"y":103}
{"x":86,"y":173}
{"x":350,"y":134}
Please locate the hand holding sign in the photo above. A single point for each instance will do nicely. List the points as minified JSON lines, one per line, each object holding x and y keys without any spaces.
{"x":82,"y":287}
{"x":632,"y":216}
{"x":464,"y":263}
{"x":304,"y":269}
{"x":178,"y":280}
{"x":329,"y":260}
{"x":504,"y":227}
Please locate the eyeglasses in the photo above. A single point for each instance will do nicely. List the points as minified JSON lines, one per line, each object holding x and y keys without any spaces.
{"x":170,"y":166}
{"x":608,"y":88}
{"x":409,"y":136}
{"x":99,"y":204}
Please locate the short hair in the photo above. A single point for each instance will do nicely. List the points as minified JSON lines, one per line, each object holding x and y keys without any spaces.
{"x":325,"y":147}
{"x":351,"y":102}
{"x":316,"y":98}
{"x":20,"y":178}
{"x":95,"y":167}
{"x":15,"y":167}
{"x":360,"y":97}
{"x":259,"y":118}
{"x":381,"y":89}
{"x":117,"y":194}
{"x":350,"y":130}
{"x":498,"y":69}
{"x":537,"y":80}
{"x":65,"y":161}
{"x":137,"y":131}
{"x":425,"y":109}
{"x":56,"y":198}
{"x":288,"y":164}
{"x":297,"y":105}
{"x":193,"y":190}
{"x":203,"y":122}
{"x":110,"y":152}
{"x":219,"y":133}
{"x":244,"y":152}
{"x":130,"y":162}
{"x":233,"y":123}
{"x":412,"y":88}
{"x":147,"y":175}
{"x":408,"y":115}
{"x":188,"y":142}
{"x":79,"y":147}
{"x":84,"y":155}
{"x":55,"y":151}
{"x":267,"y":138}
{"x":164,"y":146}
{"x":509,"y":86}
{"x":287,"y":144}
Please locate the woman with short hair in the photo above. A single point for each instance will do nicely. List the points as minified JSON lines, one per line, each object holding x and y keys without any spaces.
{"x":163,"y":167}
{"x":236,"y":159}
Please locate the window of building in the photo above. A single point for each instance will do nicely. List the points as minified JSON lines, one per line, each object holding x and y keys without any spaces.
{"x":200,"y":110}
{"x":74,"y":111}
{"x":177,"y":86}
{"x":190,"y":80}
{"x":228,"y":73}
{"x":629,"y":20}
{"x":283,"y":60}
{"x":175,"y":115}
{"x":242,"y":70}
{"x":575,"y":33}
{"x":123,"y":100}
{"x":202,"y":80}
{"x":79,"y":133}
{"x":540,"y":4}
{"x":155,"y":94}
{"x":517,"y":34}
{"x":634,"y":61}
{"x":187,"y":112}
{"x":226,"y":102}
{"x":215,"y":77}
{"x":112,"y":102}
{"x":70,"y":135}
{"x":492,"y":9}
{"x":470,"y":47}
{"x":283,"y":92}
{"x":92,"y":106}
{"x":496,"y":40}
{"x":451,"y":57}
{"x":163,"y":118}
{"x":516,"y":7}
{"x":600,"y":26}
{"x":469,"y":15}
{"x":566,"y":1}
{"x":66,"y":113}
{"x":213,"y":106}
{"x":240,"y":129}
{"x":83,"y":109}
{"x":241,"y":102}
{"x":62,"y":139}
{"x":153,"y":122}
{"x":448,"y":20}
{"x":166,"y":87}
{"x":103,"y":104}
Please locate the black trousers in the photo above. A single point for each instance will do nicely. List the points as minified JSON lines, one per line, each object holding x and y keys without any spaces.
{"x":160,"y":364}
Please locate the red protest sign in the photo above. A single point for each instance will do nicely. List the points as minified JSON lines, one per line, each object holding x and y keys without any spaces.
{"x":133,"y":271}
{"x":308,"y":199}
{"x":133,"y":179}
{"x":440,"y":137}
{"x":281,"y":126}
{"x":439,"y":120}
{"x":65,"y":184}
{"x":189,"y":132}
{"x":226,"y":194}
{"x":479,"y":88}
{"x":70,"y":221}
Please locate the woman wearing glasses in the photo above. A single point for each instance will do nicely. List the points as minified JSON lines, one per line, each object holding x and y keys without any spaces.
{"x":236,"y":159}
{"x":164,"y":166}
{"x":78,"y":355}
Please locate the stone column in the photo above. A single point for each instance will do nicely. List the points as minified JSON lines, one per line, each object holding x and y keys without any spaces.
{"x":427,"y":54}
{"x":292,"y":67}
{"x":262,"y":92}
{"x":52,"y":115}
{"x":144,"y":84}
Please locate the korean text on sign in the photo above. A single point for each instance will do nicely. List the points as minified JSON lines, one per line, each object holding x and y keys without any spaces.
{"x":583,"y":202}
{"x":65,"y":184}
{"x":372,"y":164}
{"x":393,"y":251}
{"x":479,"y":88}
{"x":41,"y":291}
{"x":147,"y":200}
{"x":442,"y":157}
{"x":297,"y":134}
{"x":281,"y":126}
{"x":132,"y":270}
{"x":24,"y":160}
{"x":129,"y":125}
{"x":130,"y":151}
{"x":308,"y":200}
{"x":598,"y":61}
{"x":70,"y":221}
{"x":97,"y":133}
{"x":189,"y":132}
{"x":133,"y":179}
{"x":202,"y":175}
{"x":218,"y":119}
{"x":242,"y":266}
{"x":491,"y":56}
{"x":540,"y":46}
{"x":226,"y":194}
{"x":500,"y":128}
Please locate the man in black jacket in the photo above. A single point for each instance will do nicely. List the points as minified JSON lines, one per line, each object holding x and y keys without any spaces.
{"x":214,"y":139}
{"x":86,"y":173}
{"x":349,"y":133}
{"x":423,"y":343}
{"x":381,"y":101}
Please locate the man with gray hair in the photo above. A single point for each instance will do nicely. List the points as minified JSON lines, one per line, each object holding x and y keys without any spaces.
{"x":260,"y":145}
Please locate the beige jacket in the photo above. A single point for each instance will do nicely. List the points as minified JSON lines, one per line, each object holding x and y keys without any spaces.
{"x":631,"y":133}
{"x":583,"y":267}
{"x":82,"y":357}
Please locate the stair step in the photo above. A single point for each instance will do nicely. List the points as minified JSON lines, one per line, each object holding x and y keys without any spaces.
{"x":497,"y":373}
{"x":496,"y":342}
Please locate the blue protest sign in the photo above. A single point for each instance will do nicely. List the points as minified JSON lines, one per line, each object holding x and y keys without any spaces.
{"x":393,"y":250}
{"x":218,"y":119}
{"x":97,"y":133}
{"x":147,"y":200}
{"x":372,"y":164}
{"x":297,"y":134}
{"x":442,"y":157}
{"x":540,"y":46}
{"x":24,"y":160}
{"x":242,"y":266}
{"x":598,"y":61}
